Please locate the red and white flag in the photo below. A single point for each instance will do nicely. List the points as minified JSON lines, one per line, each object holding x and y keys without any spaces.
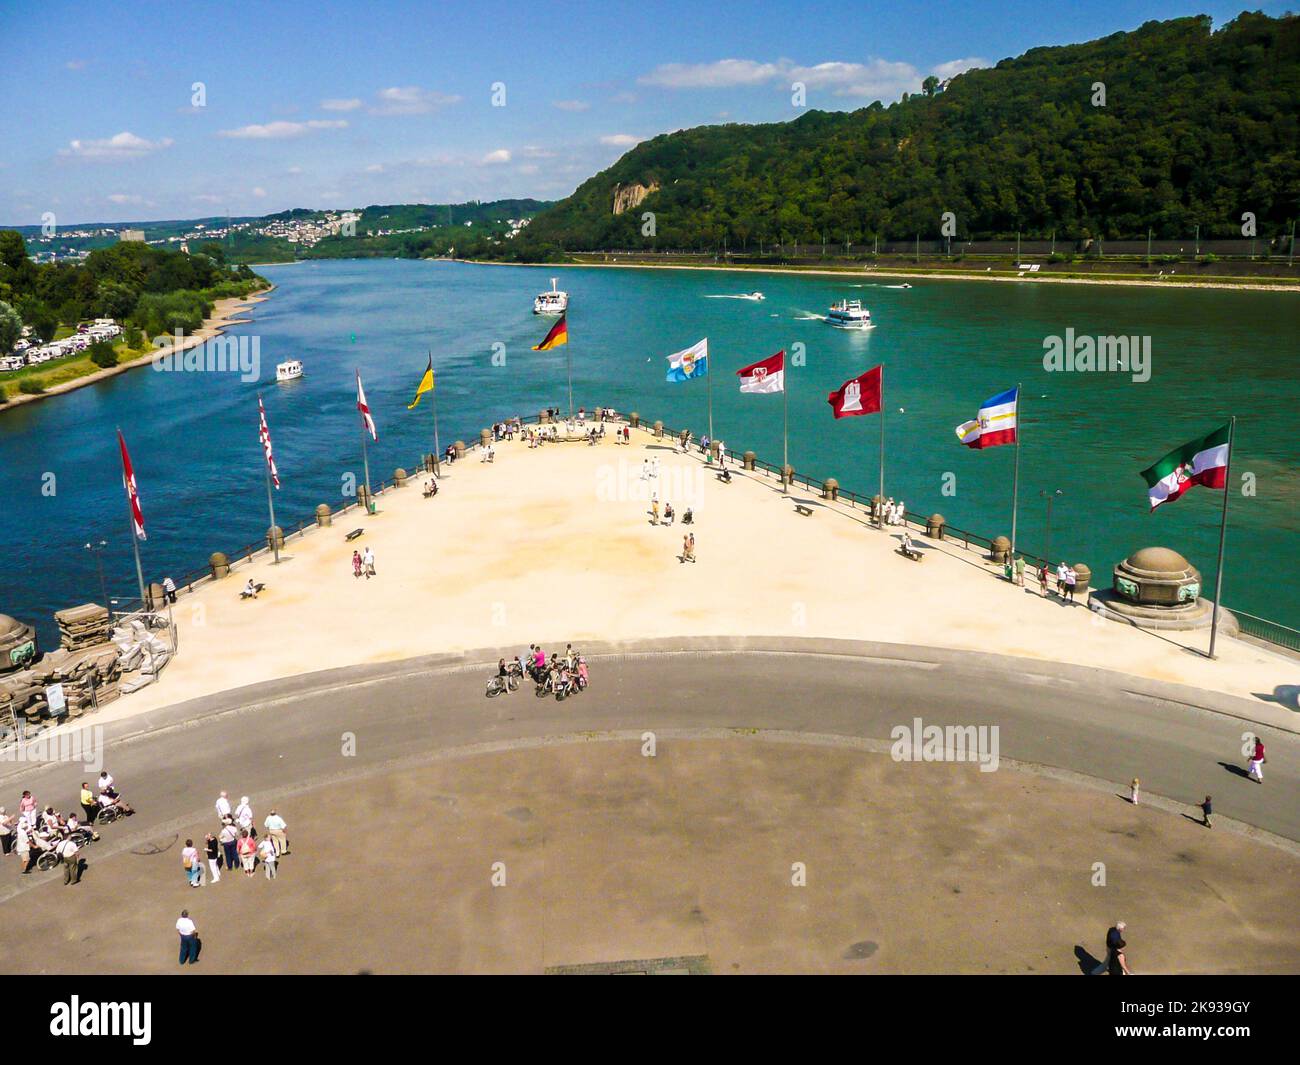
{"x":264,"y":434}
{"x":765,"y":376}
{"x":128,"y":482}
{"x":364,"y":408}
{"x":858,"y":395}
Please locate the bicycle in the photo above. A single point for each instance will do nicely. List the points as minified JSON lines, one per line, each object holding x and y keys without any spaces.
{"x":498,"y":684}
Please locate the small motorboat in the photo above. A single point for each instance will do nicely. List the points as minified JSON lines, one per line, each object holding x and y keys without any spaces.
{"x":288,"y":371}
{"x":551,"y":303}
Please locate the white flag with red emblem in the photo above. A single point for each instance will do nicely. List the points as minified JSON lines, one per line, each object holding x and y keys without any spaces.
{"x":364,"y":408}
{"x":765,"y":376}
{"x":264,"y":434}
{"x":133,"y":497}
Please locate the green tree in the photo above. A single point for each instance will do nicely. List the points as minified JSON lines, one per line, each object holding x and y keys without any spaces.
{"x":10,"y":328}
{"x":102,"y":354}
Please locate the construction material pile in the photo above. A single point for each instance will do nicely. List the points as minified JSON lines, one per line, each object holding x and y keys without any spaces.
{"x":83,"y":626}
{"x":141,"y":651}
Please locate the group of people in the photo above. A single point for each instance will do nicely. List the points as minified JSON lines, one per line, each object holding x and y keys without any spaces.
{"x":35,"y":831}
{"x":364,"y":561}
{"x":235,"y":844}
{"x":668,"y":514}
{"x":559,"y":674}
{"x":1066,"y":581}
{"x":889,"y":512}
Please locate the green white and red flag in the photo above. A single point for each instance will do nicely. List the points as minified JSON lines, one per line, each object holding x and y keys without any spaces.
{"x":1203,"y":462}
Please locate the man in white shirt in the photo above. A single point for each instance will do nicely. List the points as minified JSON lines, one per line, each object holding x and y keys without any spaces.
{"x":266,"y":851}
{"x":105,"y":782}
{"x":223,"y":806}
{"x":368,"y":561}
{"x":189,"y":938}
{"x":275,"y":828}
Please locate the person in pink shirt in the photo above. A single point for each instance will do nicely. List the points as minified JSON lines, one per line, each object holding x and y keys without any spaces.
{"x":582,"y":673}
{"x":27,"y":808}
{"x":247,"y":852}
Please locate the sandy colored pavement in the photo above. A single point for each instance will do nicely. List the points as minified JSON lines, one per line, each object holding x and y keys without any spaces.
{"x":684,"y":861}
{"x":555,"y":544}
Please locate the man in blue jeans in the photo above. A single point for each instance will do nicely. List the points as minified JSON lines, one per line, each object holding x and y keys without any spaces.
{"x":189,"y":938}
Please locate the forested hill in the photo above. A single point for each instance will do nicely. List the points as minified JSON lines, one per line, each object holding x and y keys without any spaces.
{"x":1197,"y":127}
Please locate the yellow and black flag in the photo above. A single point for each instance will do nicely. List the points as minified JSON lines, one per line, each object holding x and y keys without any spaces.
{"x":558,"y":335}
{"x":426,"y":385}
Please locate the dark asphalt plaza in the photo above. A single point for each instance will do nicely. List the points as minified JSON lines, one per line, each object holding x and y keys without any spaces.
{"x":323,"y":745}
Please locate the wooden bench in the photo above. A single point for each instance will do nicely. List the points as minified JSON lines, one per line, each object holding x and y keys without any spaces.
{"x":801,"y":509}
{"x":354,"y":534}
{"x":914,"y":555}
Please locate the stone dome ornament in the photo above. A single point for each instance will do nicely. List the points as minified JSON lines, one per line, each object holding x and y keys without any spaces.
{"x":1157,"y":588}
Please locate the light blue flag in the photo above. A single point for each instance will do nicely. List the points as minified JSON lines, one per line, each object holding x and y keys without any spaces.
{"x":689,"y":364}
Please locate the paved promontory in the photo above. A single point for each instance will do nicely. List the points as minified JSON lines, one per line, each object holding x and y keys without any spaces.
{"x":555,"y":544}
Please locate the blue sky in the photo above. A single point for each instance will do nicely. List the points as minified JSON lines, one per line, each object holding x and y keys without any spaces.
{"x":340,"y":105}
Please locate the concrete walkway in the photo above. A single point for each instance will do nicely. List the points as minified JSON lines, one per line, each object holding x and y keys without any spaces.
{"x":556,"y":544}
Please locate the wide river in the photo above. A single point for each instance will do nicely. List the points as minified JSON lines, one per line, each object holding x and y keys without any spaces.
{"x":946,"y":347}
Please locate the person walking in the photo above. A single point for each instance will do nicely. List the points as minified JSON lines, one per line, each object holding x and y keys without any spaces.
{"x":244,"y":816}
{"x":222,"y":806}
{"x":247,"y":851}
{"x":213,"y":854}
{"x":356,"y":563}
{"x":368,"y":560}
{"x":1206,"y":810}
{"x":229,"y":840}
{"x":6,"y":833}
{"x":275,"y":828}
{"x":67,"y":852}
{"x":1019,"y":568}
{"x":89,"y":805}
{"x":1257,"y":760}
{"x":266,"y":851}
{"x":189,"y":939}
{"x":1116,"y":962}
{"x":191,"y":864}
{"x":1133,"y":790}
{"x":654,"y":509}
{"x":23,"y":845}
{"x":1042,"y":579}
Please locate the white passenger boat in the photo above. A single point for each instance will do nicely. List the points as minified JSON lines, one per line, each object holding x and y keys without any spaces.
{"x":288,"y":371}
{"x":756,"y":296}
{"x":552,"y":303}
{"x":849,"y":314}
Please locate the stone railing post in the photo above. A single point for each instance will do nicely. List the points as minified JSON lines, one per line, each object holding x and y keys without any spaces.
{"x":219,"y":564}
{"x":934,"y":525}
{"x":324,"y":516}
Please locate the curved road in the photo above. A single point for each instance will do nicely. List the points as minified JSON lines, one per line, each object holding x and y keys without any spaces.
{"x":291,"y":735}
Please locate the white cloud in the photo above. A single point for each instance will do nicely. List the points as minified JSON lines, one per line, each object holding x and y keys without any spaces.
{"x":876,"y":79}
{"x":620,"y":140}
{"x":571,"y":105}
{"x":410,"y":100}
{"x":722,"y":74}
{"x":282,"y":130}
{"x":529,"y":168}
{"x":122,"y":145}
{"x":123,"y":197}
{"x":75,"y":64}
{"x":375,"y":168}
{"x":958,"y":66}
{"x":207,"y":197}
{"x":624,"y":98}
{"x":350,"y":104}
{"x":259,"y":192}
{"x":501,"y":155}
{"x":533,"y":151}
{"x":295,"y":170}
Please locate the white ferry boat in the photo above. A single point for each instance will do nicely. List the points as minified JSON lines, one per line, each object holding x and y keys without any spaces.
{"x":288,"y":371}
{"x":554,"y":302}
{"x":849,"y":314}
{"x":755,"y":296}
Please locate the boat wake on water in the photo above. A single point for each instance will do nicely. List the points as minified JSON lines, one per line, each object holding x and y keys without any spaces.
{"x":752,"y":297}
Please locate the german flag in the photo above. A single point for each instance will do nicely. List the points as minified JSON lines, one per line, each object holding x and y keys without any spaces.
{"x":558,"y":335}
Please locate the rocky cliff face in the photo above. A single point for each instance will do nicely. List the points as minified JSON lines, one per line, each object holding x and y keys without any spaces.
{"x":629,"y":196}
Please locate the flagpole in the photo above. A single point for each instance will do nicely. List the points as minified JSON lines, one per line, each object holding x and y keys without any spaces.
{"x":880,"y":511}
{"x":785,"y":431}
{"x":437,"y":452}
{"x":568,"y":356}
{"x":135,"y":540}
{"x":708,"y":372}
{"x":1015,"y":478}
{"x":365,"y":454}
{"x":270,"y":503}
{"x":1223,"y":534}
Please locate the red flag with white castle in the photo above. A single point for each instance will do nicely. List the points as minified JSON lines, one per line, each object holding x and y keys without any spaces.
{"x":364,"y":408}
{"x":858,"y":395}
{"x":133,"y":496}
{"x":765,"y":376}
{"x":264,"y":434}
